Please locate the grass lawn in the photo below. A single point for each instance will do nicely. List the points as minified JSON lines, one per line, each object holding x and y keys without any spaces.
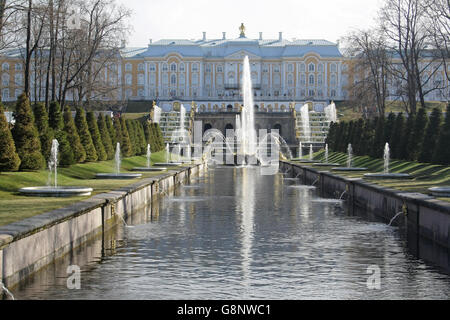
{"x":424,"y":175}
{"x":14,"y":207}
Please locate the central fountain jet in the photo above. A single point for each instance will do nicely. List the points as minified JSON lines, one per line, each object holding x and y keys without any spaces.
{"x":248,"y":133}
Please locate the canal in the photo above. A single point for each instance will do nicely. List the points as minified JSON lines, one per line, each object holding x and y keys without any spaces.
{"x":236,"y":234}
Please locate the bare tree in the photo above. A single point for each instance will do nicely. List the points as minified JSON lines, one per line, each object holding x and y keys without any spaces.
{"x":369,"y":68}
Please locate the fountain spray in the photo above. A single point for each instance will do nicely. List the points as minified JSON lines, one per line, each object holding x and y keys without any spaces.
{"x":350,"y":155}
{"x":326,"y":153}
{"x":386,"y":158}
{"x":311,"y":152}
{"x":117,"y":158}
{"x":149,"y":154}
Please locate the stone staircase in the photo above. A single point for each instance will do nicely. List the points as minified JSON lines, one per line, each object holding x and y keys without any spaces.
{"x":170,"y":126}
{"x":320,"y":126}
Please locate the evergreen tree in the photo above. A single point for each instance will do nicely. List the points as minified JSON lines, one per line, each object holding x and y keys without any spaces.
{"x":417,"y":135}
{"x":368,"y":137}
{"x":9,"y":159}
{"x":389,"y":127}
{"x":118,"y":131}
{"x":431,"y":136}
{"x":105,"y":135}
{"x":407,"y":133}
{"x":159,"y":137}
{"x":397,"y":136}
{"x":45,"y":133}
{"x":132,"y":134}
{"x":55,"y":118}
{"x":357,"y":134}
{"x":127,"y":150}
{"x":85,"y":135}
{"x":378,"y":142}
{"x":141,"y":138}
{"x":331,"y":136}
{"x":79,"y":154}
{"x":26,"y":136}
{"x":442,"y":151}
{"x":96,"y":137}
{"x":111,"y":131}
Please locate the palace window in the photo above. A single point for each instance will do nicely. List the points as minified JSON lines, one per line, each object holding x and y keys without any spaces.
{"x":152,"y":67}
{"x":18,"y":66}
{"x":128,"y":67}
{"x":165,"y":67}
{"x":195,"y":79}
{"x":333,"y":80}
{"x":320,"y":67}
{"x":311,"y":93}
{"x":195,"y":67}
{"x":319,"y":80}
{"x":165,"y":79}
{"x":18,"y":79}
{"x":141,"y":93}
{"x":265,"y":80}
{"x":5,"y":94}
{"x":290,"y":80}
{"x":303,"y":80}
{"x":141,"y":79}
{"x":302,"y":67}
{"x":5,"y":66}
{"x":276,"y":69}
{"x":219,"y":80}
{"x":265,"y":68}
{"x":333,"y":93}
{"x":219,"y":68}
{"x":333,"y":67}
{"x":153,"y":79}
{"x":182,"y":80}
{"x":128,"y":79}
{"x":311,"y":67}
{"x":173,"y":79}
{"x":311,"y":80}
{"x":173,"y":67}
{"x":5,"y":80}
{"x":140,"y":67}
{"x":182,"y":67}
{"x":208,"y":68}
{"x":276,"y":80}
{"x":290,"y":67}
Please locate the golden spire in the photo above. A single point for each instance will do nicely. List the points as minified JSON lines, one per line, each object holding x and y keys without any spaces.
{"x":154,"y":103}
{"x":242,"y":30}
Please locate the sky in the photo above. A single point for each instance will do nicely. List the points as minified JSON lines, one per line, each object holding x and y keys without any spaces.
{"x":301,"y":19}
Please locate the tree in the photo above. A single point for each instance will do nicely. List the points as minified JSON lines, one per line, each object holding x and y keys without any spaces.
{"x":357,"y":135}
{"x":126,"y":147}
{"x":118,"y":131}
{"x":105,"y":136}
{"x":111,"y":130}
{"x":72,"y":136}
{"x":397,"y":136}
{"x":45,"y":133}
{"x":431,"y":136}
{"x":9,"y":159}
{"x":96,"y":137}
{"x":417,"y":135}
{"x":56,"y":122}
{"x":85,"y":135}
{"x":132,"y":134}
{"x":406,"y":137}
{"x":389,"y":127}
{"x":442,"y":151}
{"x":141,"y":138}
{"x":26,"y":136}
{"x":378,"y":142}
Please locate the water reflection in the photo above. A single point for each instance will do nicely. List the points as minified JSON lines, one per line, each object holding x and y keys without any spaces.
{"x":241,"y":235}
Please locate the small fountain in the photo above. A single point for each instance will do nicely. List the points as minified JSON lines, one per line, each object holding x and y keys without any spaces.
{"x":349,"y":162}
{"x":169,"y":162}
{"x":326,"y":163}
{"x":386,"y":174}
{"x":117,"y":174}
{"x":304,"y":112}
{"x":300,"y":155}
{"x":330,"y":112}
{"x":149,"y":168}
{"x":54,"y":190}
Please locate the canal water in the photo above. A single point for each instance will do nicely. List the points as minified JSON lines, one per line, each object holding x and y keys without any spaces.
{"x":236,"y":234}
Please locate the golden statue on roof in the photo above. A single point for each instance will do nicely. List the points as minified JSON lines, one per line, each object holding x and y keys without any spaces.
{"x":242,"y":30}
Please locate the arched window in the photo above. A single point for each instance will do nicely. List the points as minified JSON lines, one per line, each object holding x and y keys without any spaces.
{"x":311,"y":67}
{"x":165,"y":79}
{"x":333,"y":93}
{"x":173,"y":80}
{"x":5,"y":66}
{"x":165,"y":67}
{"x":333,"y":67}
{"x":219,"y":68}
{"x":319,"y":80}
{"x":290,"y":80}
{"x":302,"y":67}
{"x":207,"y":127}
{"x":18,"y":79}
{"x":229,"y":107}
{"x":5,"y":80}
{"x":140,"y":67}
{"x":229,"y":126}
{"x":128,"y":67}
{"x":152,"y":67}
{"x":5,"y":94}
{"x":320,"y":67}
{"x":290,"y":67}
{"x":128,"y":79}
{"x":141,"y":92}
{"x":277,"y":127}
{"x":311,"y":93}
{"x":182,"y":67}
{"x":18,"y":66}
{"x":276,"y":68}
{"x":333,"y":80}
{"x":173,"y":67}
{"x":208,"y":68}
{"x":195,"y":67}
{"x":311,"y":80}
{"x":141,"y":79}
{"x":303,"y":80}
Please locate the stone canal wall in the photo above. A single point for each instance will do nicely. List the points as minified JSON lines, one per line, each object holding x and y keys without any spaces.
{"x":422,"y":216}
{"x":28,"y":245}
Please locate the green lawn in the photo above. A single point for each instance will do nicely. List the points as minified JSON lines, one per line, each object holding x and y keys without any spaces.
{"x":14,"y":207}
{"x":424,"y":175}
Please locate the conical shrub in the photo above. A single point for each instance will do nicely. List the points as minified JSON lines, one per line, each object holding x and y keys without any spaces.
{"x":45,"y":132}
{"x":127,"y":150}
{"x":431,"y":136}
{"x":96,"y":137}
{"x":105,"y":136}
{"x":85,"y":135}
{"x":442,"y":152}
{"x":26,"y":136}
{"x":111,"y":130}
{"x":72,"y":136}
{"x":9,"y":159}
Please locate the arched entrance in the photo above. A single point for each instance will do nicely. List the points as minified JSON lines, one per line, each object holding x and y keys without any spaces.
{"x":278,"y":127}
{"x":207,"y":127}
{"x":229,"y":126}
{"x":229,"y":107}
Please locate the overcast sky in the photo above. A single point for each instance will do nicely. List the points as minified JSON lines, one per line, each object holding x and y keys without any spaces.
{"x":301,"y":19}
